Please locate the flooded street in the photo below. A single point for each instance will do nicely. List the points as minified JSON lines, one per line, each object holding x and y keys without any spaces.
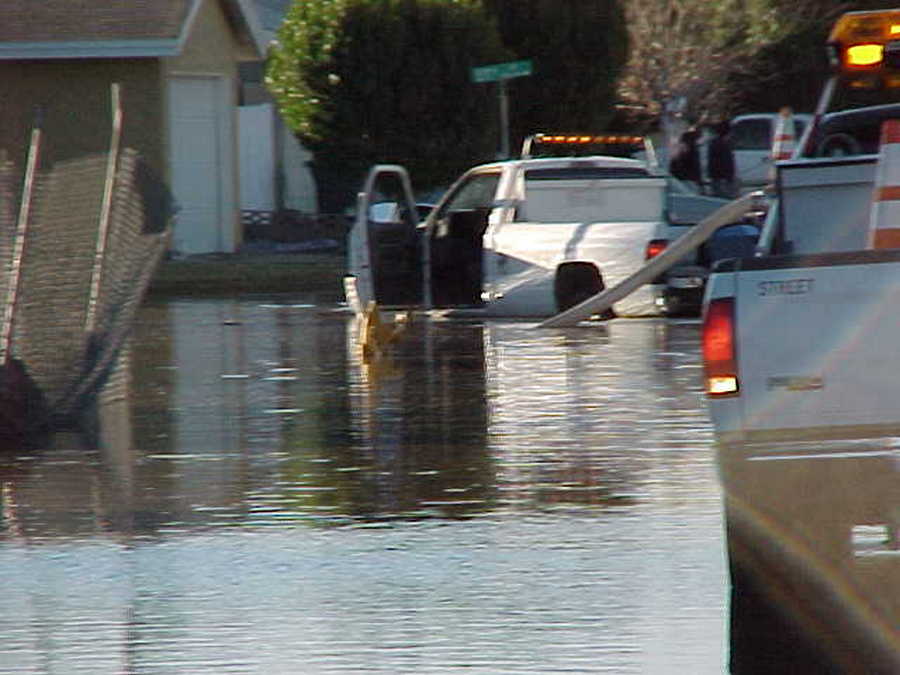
{"x":485,"y":498}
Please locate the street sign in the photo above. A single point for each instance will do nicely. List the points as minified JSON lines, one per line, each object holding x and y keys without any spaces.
{"x":501,"y":71}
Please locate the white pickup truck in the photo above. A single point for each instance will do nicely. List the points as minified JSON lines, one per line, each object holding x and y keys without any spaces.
{"x":804,"y":338}
{"x":524,"y":237}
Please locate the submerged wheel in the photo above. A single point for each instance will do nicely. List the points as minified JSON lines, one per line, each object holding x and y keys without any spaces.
{"x":575,"y":282}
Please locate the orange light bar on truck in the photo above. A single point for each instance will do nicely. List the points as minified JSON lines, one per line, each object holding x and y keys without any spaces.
{"x":581,"y":139}
{"x":864,"y":45}
{"x":864,"y":55}
{"x":629,"y":142}
{"x":719,"y":348}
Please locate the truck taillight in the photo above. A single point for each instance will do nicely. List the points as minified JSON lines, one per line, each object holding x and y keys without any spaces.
{"x":655,"y":247}
{"x":719,"y":349}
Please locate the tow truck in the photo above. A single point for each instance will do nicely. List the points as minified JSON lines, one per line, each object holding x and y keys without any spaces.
{"x":803,"y":337}
{"x":525,"y":237}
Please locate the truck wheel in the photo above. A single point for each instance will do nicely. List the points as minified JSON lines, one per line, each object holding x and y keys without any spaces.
{"x":575,"y":283}
{"x":838,"y":145}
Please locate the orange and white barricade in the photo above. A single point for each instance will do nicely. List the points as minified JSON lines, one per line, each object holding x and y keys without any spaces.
{"x":884,"y":222}
{"x":785,"y":137}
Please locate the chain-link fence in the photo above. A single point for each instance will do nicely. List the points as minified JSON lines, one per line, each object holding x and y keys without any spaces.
{"x":81,"y":276}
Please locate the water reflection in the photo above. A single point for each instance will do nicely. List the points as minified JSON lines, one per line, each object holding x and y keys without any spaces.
{"x":418,"y":421}
{"x":486,"y":497}
{"x":253,"y":497}
{"x":815,"y":556}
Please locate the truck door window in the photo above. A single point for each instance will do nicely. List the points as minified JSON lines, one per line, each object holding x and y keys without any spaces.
{"x":751,"y":134}
{"x":477,"y":192}
{"x":756,"y":134}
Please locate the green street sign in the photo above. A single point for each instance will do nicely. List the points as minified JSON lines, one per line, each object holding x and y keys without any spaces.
{"x":501,"y":71}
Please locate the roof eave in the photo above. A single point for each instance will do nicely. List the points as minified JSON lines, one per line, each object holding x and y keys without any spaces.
{"x":111,"y":49}
{"x":248,"y":28}
{"x":241,"y":16}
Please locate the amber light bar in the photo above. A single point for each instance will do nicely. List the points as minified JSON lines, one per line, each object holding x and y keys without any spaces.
{"x":864,"y":55}
{"x":864,"y":44}
{"x":576,"y":139}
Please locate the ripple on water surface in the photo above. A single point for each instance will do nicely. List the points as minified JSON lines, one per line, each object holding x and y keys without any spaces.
{"x":489,"y":499}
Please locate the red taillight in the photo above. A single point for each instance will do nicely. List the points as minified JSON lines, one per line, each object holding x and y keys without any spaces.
{"x":719,"y":349}
{"x":655,"y":247}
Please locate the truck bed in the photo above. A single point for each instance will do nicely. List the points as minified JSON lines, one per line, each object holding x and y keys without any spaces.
{"x":817,"y":339}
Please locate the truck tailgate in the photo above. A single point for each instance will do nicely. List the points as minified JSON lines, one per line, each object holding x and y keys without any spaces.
{"x":819,"y":340}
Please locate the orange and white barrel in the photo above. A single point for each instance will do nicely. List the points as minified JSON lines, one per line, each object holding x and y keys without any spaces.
{"x":785,"y":138}
{"x":884,"y":222}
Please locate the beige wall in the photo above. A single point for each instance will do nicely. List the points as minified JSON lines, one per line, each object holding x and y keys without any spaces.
{"x":75,"y":97}
{"x":211,"y":49}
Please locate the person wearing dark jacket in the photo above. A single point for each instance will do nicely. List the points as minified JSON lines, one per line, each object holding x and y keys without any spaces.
{"x":685,"y":163}
{"x":720,"y":163}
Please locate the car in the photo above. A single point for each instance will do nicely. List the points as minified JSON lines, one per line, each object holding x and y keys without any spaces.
{"x":752,"y":138}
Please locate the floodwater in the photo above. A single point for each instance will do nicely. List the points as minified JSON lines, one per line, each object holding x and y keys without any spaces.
{"x":483,"y":498}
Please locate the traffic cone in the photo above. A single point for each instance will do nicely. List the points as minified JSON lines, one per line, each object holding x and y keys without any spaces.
{"x":884,"y":222}
{"x":785,"y":136}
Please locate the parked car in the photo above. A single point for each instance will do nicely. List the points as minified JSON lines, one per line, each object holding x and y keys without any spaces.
{"x":751,"y":138}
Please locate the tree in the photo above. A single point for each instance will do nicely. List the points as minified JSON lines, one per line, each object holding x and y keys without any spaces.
{"x":791,"y":69}
{"x":578,"y":49}
{"x":681,"y":50}
{"x":368,"y":81}
{"x":730,"y":56}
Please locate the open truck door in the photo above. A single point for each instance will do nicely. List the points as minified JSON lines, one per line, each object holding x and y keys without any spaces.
{"x":386,"y":254}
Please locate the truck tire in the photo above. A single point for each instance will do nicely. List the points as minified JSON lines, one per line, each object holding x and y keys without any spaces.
{"x":838,"y":145}
{"x":575,"y":282}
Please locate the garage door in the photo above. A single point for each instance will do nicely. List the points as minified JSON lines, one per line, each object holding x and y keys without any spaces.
{"x":200,"y":155}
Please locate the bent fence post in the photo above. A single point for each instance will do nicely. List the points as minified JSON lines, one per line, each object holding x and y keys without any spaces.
{"x":106,"y":207}
{"x":15,"y":273}
{"x":599,"y":303}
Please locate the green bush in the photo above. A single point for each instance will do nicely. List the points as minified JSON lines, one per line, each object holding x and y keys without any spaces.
{"x":578,"y":49}
{"x":386,"y":81}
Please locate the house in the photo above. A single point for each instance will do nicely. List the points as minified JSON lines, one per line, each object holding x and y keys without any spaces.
{"x":276,"y":176}
{"x":176,"y":62}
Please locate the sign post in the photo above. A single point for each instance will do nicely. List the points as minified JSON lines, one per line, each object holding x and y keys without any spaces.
{"x":500,"y":73}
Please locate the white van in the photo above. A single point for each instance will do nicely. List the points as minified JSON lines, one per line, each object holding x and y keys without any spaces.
{"x":751,"y":138}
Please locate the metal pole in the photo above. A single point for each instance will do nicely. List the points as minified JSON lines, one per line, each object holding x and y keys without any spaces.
{"x":599,"y":303}
{"x":105,"y":208}
{"x":15,"y":272}
{"x":504,"y":120}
